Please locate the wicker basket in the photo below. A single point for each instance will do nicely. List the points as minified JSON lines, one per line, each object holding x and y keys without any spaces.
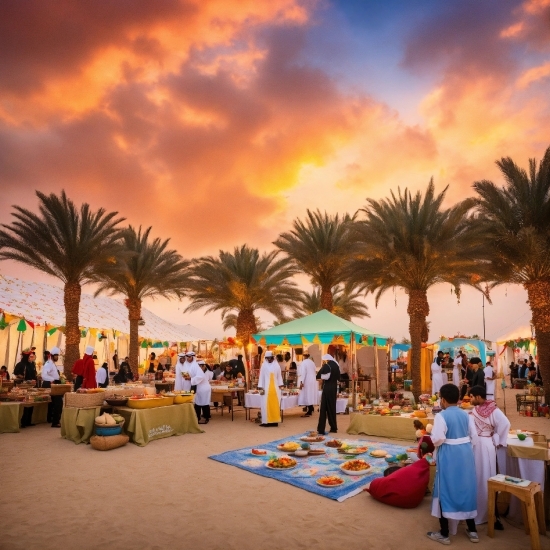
{"x":127,"y":392}
{"x":61,"y":389}
{"x":102,"y":443}
{"x":83,"y":400}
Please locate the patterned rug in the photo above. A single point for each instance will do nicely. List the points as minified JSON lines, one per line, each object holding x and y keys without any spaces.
{"x":310,"y":468}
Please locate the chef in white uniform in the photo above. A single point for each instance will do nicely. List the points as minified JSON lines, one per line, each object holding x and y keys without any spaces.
{"x":203,"y":390}
{"x":50,"y":375}
{"x":309,"y":388}
{"x":181,"y":383}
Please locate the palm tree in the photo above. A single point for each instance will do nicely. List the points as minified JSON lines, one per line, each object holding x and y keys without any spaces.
{"x":229,"y":320}
{"x":517,"y":225}
{"x":148,"y":270}
{"x":412,"y":242}
{"x":242,"y":283}
{"x":65,"y":242}
{"x":346,"y":303}
{"x":319,"y":247}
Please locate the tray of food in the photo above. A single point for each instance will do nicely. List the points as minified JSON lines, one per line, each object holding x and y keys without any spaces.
{"x":312,"y":438}
{"x":258,"y":452}
{"x":330,"y":481}
{"x":281,"y":463}
{"x":334,"y":443}
{"x":355,"y":467}
{"x":288,"y":446}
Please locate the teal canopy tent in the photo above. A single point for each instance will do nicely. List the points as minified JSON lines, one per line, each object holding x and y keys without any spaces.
{"x":470,"y":346}
{"x":322,"y":327}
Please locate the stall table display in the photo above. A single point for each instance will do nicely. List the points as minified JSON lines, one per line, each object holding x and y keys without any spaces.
{"x":77,"y":424}
{"x":145,"y":425}
{"x":341,"y":403}
{"x":11,"y":413}
{"x":394,"y":427}
{"x":254,"y":401}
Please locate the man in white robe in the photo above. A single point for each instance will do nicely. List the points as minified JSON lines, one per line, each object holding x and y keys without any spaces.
{"x":183,"y":381}
{"x":270,"y":383}
{"x":203,"y":390}
{"x":492,"y":429}
{"x":490,"y":381}
{"x":309,"y":388}
{"x":437,"y":380}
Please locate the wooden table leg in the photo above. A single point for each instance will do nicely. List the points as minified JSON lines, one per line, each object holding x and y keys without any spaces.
{"x":491,"y":514}
{"x":539,"y":506}
{"x":533,"y":527}
{"x":525,"y":517}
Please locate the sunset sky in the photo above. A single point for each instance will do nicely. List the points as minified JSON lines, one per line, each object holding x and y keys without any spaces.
{"x":218,"y":122}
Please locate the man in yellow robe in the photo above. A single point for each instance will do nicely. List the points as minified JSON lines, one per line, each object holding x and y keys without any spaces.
{"x":270,"y":384}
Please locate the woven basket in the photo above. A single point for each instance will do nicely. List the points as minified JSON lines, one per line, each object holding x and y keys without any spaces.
{"x":127,"y":392}
{"x":82,"y":400}
{"x":102,"y":443}
{"x":61,"y":389}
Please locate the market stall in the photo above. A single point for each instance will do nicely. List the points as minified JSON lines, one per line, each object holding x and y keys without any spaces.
{"x":14,"y":401}
{"x":77,"y":424}
{"x":145,"y":425}
{"x":392,"y":427}
{"x":328,"y":330}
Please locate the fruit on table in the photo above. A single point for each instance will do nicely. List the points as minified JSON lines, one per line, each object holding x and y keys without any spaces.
{"x":420,"y":414}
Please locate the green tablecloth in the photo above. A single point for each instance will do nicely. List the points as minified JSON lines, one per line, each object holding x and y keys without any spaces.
{"x":11,"y":413}
{"x":78,"y":424}
{"x":144,"y":425}
{"x":393,"y":427}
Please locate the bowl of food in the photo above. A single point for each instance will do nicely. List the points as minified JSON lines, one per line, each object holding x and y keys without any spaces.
{"x":355,"y":467}
{"x":330,"y":481}
{"x":288,"y":446}
{"x":282,"y":463}
{"x":117,"y":401}
{"x":301,"y":452}
{"x":258,"y":452}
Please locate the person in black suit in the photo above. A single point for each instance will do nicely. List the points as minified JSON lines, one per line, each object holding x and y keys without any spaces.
{"x":330,"y":374}
{"x":478,"y":379}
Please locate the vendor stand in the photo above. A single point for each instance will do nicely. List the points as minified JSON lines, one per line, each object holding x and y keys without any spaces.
{"x":145,"y":425}
{"x":326,"y":329}
{"x":11,"y":413}
{"x":392,"y":427}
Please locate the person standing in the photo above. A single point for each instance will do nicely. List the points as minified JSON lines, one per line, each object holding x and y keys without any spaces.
{"x":478,"y":379}
{"x":437,"y":380}
{"x":203,"y":392}
{"x":309,"y":389}
{"x":330,"y":374}
{"x":492,"y":428}
{"x":490,"y":380}
{"x":153,"y":363}
{"x":270,"y":383}
{"x":183,"y":380}
{"x":456,"y":371}
{"x":84,"y":369}
{"x":454,"y":492}
{"x":468,"y":377}
{"x":102,"y":376}
{"x":50,"y":376}
{"x":25,"y":371}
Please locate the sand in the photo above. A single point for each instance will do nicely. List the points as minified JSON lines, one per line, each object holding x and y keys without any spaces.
{"x":56,"y":494}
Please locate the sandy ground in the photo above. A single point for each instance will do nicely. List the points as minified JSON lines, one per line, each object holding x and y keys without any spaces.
{"x":55,"y":494}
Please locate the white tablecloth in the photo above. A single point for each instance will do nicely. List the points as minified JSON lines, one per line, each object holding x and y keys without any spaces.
{"x":254,"y":401}
{"x":341,"y":403}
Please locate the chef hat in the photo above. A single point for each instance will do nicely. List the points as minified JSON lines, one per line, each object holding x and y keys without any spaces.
{"x":89,"y":350}
{"x":327,"y":357}
{"x":190,"y":354}
{"x":268,"y":354}
{"x":55,"y":351}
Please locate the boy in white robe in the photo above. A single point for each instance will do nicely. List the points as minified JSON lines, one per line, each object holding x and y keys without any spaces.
{"x":492,"y":429}
{"x":270,"y":383}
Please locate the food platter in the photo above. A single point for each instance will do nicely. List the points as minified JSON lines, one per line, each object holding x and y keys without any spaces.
{"x":312,"y":439}
{"x":353,"y":451}
{"x":378,"y":453}
{"x":330,"y":482}
{"x":358,"y":462}
{"x":334,"y":443}
{"x":316,"y":452}
{"x":288,"y":447}
{"x":282,"y":463}
{"x":258,"y":452}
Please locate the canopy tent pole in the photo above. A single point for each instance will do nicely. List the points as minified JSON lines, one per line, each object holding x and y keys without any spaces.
{"x":376,"y":368}
{"x":17,"y":352}
{"x":353,"y":350}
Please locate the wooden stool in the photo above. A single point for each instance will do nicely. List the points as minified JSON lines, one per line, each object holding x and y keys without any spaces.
{"x":532,"y":508}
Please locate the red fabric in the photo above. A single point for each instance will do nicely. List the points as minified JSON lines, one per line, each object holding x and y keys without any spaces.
{"x":429,"y":444}
{"x":403,"y":489}
{"x":78,"y":368}
{"x":88,"y":372}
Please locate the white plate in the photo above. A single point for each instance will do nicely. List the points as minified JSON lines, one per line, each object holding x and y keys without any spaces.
{"x":330,"y":486}
{"x":282,"y":469}
{"x":352,"y":473}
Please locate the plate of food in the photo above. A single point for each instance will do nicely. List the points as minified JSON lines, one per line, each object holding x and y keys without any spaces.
{"x":282,"y":463}
{"x":312,"y":438}
{"x":355,"y":467}
{"x":334,"y":443}
{"x":258,"y":452}
{"x":378,"y":453}
{"x":353,"y":450}
{"x":330,"y":481}
{"x":314,"y":452}
{"x":289,"y":446}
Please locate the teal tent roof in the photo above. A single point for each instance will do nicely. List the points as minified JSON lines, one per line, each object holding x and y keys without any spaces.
{"x":323,"y":325}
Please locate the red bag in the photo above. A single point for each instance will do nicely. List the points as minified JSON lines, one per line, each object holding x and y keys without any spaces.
{"x":405,"y":488}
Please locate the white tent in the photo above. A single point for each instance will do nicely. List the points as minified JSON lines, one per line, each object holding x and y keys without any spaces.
{"x":41,"y":305}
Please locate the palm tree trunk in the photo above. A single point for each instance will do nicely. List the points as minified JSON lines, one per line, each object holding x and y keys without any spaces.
{"x":246,"y":326}
{"x":418,"y":309}
{"x":539,"y":300}
{"x":134,"y":315}
{"x":71,"y":298}
{"x":326,"y":299}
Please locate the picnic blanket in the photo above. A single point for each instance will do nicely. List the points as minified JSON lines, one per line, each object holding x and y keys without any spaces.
{"x":311,"y":468}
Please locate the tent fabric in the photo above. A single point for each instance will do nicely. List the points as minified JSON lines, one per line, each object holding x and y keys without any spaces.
{"x":321,"y":327}
{"x":454,"y":343}
{"x":43,"y":304}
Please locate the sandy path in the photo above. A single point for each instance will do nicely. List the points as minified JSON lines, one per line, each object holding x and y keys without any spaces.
{"x":170,"y":495}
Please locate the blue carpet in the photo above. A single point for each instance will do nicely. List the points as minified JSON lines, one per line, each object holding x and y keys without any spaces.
{"x":310,"y":468}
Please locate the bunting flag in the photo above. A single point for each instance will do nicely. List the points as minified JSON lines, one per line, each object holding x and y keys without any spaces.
{"x":22,"y":326}
{"x":51,"y":331}
{"x":83,"y":332}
